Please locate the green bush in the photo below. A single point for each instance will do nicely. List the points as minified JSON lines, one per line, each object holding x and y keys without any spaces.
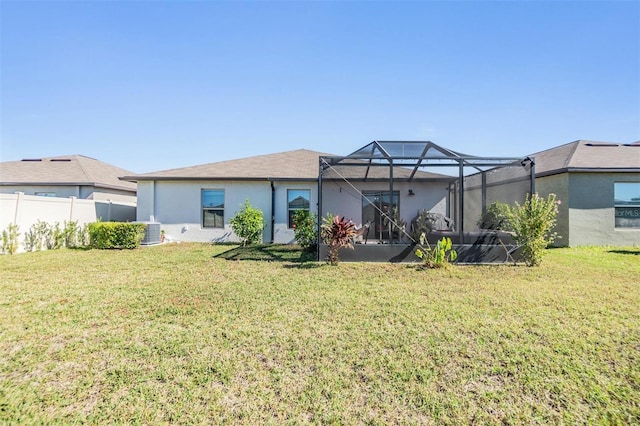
{"x":248,"y":224}
{"x":532,"y":223}
{"x":10,"y":239}
{"x":116,"y":235}
{"x":305,"y":229}
{"x":495,"y":217}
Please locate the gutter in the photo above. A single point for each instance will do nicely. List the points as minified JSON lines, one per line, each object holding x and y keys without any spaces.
{"x":586,"y":170}
{"x":216,"y":178}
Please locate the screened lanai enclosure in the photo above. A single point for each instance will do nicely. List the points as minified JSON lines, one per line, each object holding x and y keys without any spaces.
{"x":395,"y":191}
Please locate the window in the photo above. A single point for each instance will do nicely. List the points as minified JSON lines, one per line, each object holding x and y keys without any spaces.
{"x":297,"y":199}
{"x":45,"y":194}
{"x":213,"y":208}
{"x":627,"y":204}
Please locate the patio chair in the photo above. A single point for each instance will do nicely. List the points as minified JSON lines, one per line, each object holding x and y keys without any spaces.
{"x":362,"y":233}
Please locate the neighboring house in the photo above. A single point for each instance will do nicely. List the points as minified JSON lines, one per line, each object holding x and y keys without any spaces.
{"x":66,"y":188}
{"x":598,"y":184}
{"x":196,"y":203}
{"x":67,"y":176}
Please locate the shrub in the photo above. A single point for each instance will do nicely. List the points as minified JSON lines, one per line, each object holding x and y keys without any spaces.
{"x":532,"y":223}
{"x":116,"y":235}
{"x":495,"y":217}
{"x":71,"y":234}
{"x":43,"y":235}
{"x":439,"y":256}
{"x":10,"y":238}
{"x":56,"y":237}
{"x":337,"y":232}
{"x":248,"y":224}
{"x":305,"y":229}
{"x":36,"y":238}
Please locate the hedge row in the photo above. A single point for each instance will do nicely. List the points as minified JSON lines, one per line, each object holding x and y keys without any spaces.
{"x":116,"y":235}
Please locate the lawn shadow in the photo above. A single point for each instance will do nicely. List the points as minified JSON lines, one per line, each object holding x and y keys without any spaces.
{"x":619,"y":251}
{"x":269,"y":253}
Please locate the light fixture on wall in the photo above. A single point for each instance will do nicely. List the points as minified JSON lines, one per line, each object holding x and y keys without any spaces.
{"x":411,"y":193}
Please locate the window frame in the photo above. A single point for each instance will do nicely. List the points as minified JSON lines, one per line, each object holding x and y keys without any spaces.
{"x":44,"y":194}
{"x":204,"y":208}
{"x":626,"y":204}
{"x":290,"y":210}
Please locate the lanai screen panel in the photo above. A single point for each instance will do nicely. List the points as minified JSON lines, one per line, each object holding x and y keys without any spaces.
{"x":504,"y":184}
{"x":473,"y":183}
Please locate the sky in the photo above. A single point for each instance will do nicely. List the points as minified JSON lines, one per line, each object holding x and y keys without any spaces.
{"x":155,"y":85}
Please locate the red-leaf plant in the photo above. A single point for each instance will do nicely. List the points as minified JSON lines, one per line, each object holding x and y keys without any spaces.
{"x":337,"y":232}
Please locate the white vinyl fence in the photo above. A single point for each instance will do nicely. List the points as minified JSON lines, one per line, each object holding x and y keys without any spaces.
{"x":26,"y":210}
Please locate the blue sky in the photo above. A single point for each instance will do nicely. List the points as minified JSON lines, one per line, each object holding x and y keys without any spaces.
{"x":156,"y":85}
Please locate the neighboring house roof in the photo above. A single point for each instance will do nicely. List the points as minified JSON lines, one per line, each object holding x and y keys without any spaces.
{"x":588,"y":156}
{"x":64,"y":170}
{"x":300,"y":164}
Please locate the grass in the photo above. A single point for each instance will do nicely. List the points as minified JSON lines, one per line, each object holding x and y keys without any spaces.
{"x":179,"y":333}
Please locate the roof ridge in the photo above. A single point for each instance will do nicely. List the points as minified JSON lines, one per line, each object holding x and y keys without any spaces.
{"x":89,"y":178}
{"x":567,"y":160}
{"x":232,"y":160}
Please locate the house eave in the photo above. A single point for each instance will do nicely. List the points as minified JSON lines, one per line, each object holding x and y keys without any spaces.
{"x":588,"y":170}
{"x":217,"y":178}
{"x":96,"y":185}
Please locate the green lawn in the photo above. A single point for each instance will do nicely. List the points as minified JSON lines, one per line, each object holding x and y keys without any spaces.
{"x":194,"y":333}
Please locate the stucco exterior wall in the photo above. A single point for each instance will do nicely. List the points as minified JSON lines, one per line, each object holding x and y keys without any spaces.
{"x":592,"y":212}
{"x":342,"y":199}
{"x":61,"y":191}
{"x":559,"y":185}
{"x":282,"y":233}
{"x":177,"y":205}
{"x":78,"y":191}
{"x":587,"y":213}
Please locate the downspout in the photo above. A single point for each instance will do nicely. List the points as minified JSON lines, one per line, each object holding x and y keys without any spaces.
{"x":152,"y":202}
{"x":273,"y":210}
{"x":319,"y":215}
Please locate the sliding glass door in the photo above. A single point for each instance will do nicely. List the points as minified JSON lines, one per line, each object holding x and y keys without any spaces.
{"x":375,"y":206}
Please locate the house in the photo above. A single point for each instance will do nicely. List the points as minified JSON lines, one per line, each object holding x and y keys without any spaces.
{"x":196,"y":203}
{"x":67,"y":176}
{"x":383,"y":182}
{"x":598,"y":184}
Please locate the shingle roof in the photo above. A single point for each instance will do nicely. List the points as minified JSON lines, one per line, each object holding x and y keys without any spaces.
{"x":588,"y":155}
{"x":300,"y":164}
{"x":64,"y":170}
